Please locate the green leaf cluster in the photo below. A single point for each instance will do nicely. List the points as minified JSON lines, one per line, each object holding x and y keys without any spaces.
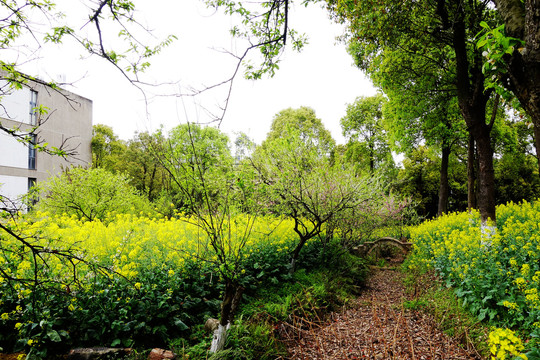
{"x":90,"y":194}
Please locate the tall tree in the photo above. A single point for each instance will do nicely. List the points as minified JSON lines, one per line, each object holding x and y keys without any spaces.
{"x":193,"y":154}
{"x":516,"y":173}
{"x":449,"y":25}
{"x":304,"y":121}
{"x":107,"y":148}
{"x":425,"y":118}
{"x":419,"y":180}
{"x":362,"y":125}
{"x":146,"y":174}
{"x":422,"y":104}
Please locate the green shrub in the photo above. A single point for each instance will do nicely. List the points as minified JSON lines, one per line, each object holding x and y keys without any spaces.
{"x":90,"y":194}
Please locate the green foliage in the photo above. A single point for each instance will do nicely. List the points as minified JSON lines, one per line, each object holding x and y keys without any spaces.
{"x":145,"y":172}
{"x":134,"y":158}
{"x":109,"y":312}
{"x":249,"y":341}
{"x":199,"y":163}
{"x":497,"y":275}
{"x":383,"y":213}
{"x":419,"y":179}
{"x":142,"y":296}
{"x":243,"y":147}
{"x":516,"y":178}
{"x":89,"y":194}
{"x":304,"y":123}
{"x":265,"y":26}
{"x":495,"y":45}
{"x":107,"y":150}
{"x":326,"y":279}
{"x":301,"y":184}
{"x":516,"y":168}
{"x":367,"y":146}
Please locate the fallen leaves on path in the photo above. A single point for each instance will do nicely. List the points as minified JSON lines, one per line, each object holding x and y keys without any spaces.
{"x":376,"y":326}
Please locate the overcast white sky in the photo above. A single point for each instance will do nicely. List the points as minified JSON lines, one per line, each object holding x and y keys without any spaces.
{"x":322,"y":76}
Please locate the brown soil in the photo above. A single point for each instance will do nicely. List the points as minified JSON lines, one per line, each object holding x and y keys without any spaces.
{"x":10,"y":356}
{"x":376,"y":326}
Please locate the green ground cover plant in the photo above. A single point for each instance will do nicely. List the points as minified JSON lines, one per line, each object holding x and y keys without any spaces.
{"x":153,"y":286}
{"x":495,"y":273}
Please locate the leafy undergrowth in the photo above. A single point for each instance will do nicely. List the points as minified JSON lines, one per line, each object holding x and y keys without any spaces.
{"x":430,"y":295}
{"x":306,"y":299}
{"x":494,"y":271}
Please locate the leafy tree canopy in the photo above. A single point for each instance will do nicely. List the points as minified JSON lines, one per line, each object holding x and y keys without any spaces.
{"x":196,"y":158}
{"x":368,"y":140}
{"x":107,"y":149}
{"x":306,"y":125}
{"x":90,"y":194}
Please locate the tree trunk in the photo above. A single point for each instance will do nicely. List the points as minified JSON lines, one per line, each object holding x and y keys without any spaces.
{"x":523,"y":22}
{"x":371,"y":157}
{"x":537,"y":144}
{"x":443,"y":186}
{"x":231,"y":300}
{"x":486,"y":176}
{"x":525,"y":84}
{"x":472,"y":99}
{"x":220,"y":336}
{"x":471,"y":175}
{"x":152,"y":185}
{"x":295,"y":254}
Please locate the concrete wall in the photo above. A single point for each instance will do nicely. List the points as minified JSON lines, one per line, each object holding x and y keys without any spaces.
{"x":67,"y":124}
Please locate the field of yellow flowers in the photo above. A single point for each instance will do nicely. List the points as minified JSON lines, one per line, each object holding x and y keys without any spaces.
{"x":132,"y":280}
{"x":495,"y":271}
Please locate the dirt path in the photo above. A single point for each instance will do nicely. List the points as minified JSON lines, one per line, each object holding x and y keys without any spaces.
{"x":376,"y":326}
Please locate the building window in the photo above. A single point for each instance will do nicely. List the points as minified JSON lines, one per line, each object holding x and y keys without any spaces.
{"x":33,"y":105}
{"x":32,"y":153}
{"x":31,"y":183}
{"x":32,"y":195}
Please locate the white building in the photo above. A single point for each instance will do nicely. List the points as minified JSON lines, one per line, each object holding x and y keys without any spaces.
{"x":67,"y":124}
